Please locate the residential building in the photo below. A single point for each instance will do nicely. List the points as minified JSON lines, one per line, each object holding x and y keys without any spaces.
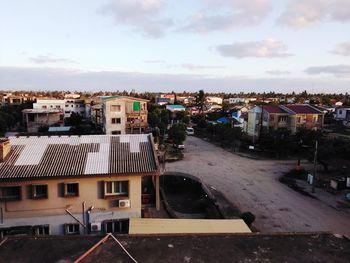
{"x":342,"y":113}
{"x":10,"y":99}
{"x":34,"y":119}
{"x":291,"y":117}
{"x":68,"y":105}
{"x":124,"y":115}
{"x":75,"y":184}
{"x":214,"y":100}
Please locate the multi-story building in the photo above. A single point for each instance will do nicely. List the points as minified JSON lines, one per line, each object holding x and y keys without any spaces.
{"x":124,"y":115}
{"x":75,"y":184}
{"x":342,"y":113}
{"x":291,"y":117}
{"x":67,"y":106}
{"x":34,"y":119}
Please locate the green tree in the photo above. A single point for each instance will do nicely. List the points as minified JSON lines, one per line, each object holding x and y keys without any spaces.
{"x":200,"y":101}
{"x":177,"y":133}
{"x":153,"y":119}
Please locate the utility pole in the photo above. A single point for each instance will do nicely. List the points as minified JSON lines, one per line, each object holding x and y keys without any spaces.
{"x":315,"y":164}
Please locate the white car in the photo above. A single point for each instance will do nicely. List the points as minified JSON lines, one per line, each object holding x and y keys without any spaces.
{"x":189,"y":131}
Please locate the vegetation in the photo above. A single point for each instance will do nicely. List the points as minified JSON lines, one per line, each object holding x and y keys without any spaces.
{"x":177,"y":133}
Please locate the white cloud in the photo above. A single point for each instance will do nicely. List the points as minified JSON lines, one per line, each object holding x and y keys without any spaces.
{"x":340,"y":71}
{"x":303,"y":13}
{"x":194,"y":67}
{"x":13,"y":78}
{"x":49,"y":59}
{"x":343,"y":49}
{"x":277,"y":72}
{"x":227,"y":15}
{"x":268,"y":48}
{"x":140,"y":15}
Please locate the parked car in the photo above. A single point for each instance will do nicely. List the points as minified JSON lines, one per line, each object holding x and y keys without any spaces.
{"x":189,"y":131}
{"x":180,"y":146}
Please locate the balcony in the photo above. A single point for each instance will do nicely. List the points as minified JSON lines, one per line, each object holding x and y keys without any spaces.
{"x":136,"y":113}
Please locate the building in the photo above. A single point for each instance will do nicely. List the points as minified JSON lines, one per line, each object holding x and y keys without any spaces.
{"x":34,"y":119}
{"x":67,"y":105}
{"x":124,"y":115}
{"x":75,"y":184}
{"x":214,"y":100}
{"x":342,"y":113}
{"x":11,"y":99}
{"x":291,"y":117}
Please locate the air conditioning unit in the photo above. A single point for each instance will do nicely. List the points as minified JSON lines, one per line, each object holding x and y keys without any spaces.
{"x":124,"y":203}
{"x":96,"y":226}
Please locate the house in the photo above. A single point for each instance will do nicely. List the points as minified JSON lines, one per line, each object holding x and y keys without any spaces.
{"x":214,"y":100}
{"x":67,"y":105}
{"x":175,"y":108}
{"x":304,"y":116}
{"x":75,"y":184}
{"x":342,"y":113}
{"x":34,"y":119}
{"x":291,"y":117}
{"x":124,"y":115}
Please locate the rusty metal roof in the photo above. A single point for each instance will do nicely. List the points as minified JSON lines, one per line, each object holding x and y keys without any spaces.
{"x":56,"y":156}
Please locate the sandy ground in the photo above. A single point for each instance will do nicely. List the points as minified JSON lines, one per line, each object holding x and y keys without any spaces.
{"x":253,"y":185}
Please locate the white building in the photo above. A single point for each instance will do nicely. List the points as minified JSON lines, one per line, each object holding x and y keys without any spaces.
{"x":214,"y":100}
{"x":68,"y":106}
{"x":342,"y":113}
{"x":124,"y":115}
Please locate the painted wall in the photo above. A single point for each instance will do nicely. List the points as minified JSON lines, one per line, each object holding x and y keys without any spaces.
{"x":51,"y":211}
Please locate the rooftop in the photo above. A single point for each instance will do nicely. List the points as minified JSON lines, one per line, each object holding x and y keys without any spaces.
{"x":41,"y":111}
{"x":58,"y":156}
{"x":302,"y":109}
{"x":282,"y":247}
{"x":274,"y":109}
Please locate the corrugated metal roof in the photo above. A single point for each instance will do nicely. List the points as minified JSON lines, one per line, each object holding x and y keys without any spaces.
{"x":33,"y":157}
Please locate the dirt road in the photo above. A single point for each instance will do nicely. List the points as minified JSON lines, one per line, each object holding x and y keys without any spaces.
{"x":253,"y":185}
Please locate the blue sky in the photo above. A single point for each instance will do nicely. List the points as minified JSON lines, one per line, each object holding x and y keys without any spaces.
{"x":159,"y":45}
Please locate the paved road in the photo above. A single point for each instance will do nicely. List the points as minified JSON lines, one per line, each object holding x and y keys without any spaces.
{"x":253,"y":185}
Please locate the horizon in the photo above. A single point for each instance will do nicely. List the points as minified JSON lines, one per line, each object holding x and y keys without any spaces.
{"x":157,"y":45}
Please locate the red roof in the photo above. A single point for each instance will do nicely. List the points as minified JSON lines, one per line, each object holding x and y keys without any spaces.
{"x":303,"y":109}
{"x":273,"y":109}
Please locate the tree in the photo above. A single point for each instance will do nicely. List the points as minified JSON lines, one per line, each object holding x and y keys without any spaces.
{"x":74,"y":120}
{"x":200,"y":100}
{"x":177,"y":133}
{"x":153,"y":119}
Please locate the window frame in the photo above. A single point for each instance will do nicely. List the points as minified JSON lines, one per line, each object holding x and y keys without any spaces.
{"x":66,"y":229}
{"x":65,"y":189}
{"x":113,"y":192}
{"x":117,"y":223}
{"x":11,"y":198}
{"x":34,"y":196}
{"x":117,"y":106}
{"x":116,"y":120}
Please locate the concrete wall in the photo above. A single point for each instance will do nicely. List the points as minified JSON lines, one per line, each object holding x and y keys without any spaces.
{"x":52,"y":210}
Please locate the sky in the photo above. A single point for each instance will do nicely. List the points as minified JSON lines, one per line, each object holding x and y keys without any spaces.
{"x":173,"y":45}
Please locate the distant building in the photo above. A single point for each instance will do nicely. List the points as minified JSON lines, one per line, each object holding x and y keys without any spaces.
{"x":124,"y":115}
{"x":214,"y":100}
{"x":75,"y":184}
{"x":175,"y":108}
{"x":34,"y":119}
{"x":291,"y":117}
{"x":68,"y":106}
{"x":343,"y":113}
{"x":10,"y":99}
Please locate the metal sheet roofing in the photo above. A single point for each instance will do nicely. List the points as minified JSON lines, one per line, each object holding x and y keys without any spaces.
{"x":274,"y":109}
{"x":302,"y":109}
{"x":55,"y":156}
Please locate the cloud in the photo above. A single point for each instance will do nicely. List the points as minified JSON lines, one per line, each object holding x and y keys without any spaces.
{"x":303,"y":13}
{"x":154,"y":61}
{"x":140,"y":15}
{"x":194,"y":67}
{"x":343,"y":49}
{"x":49,"y":59}
{"x":340,"y":71}
{"x":268,"y":48}
{"x":227,"y":15}
{"x":14,"y":78}
{"x":277,"y":72}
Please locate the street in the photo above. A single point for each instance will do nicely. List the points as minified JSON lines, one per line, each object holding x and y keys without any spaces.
{"x":252,"y":185}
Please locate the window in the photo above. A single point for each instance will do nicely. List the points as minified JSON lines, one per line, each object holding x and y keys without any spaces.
{"x":282,"y":118}
{"x":44,"y":107}
{"x":42,"y":230}
{"x":298,"y":119}
{"x":10,"y":193}
{"x":117,"y":226}
{"x":120,"y":188}
{"x":1,"y":216}
{"x":71,"y":189}
{"x":39,"y":191}
{"x":116,"y":132}
{"x":72,"y":229}
{"x":272,"y":117}
{"x":115,"y":108}
{"x":116,"y":120}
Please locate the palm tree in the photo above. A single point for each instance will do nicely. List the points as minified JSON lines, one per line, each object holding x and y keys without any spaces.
{"x":200,"y":100}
